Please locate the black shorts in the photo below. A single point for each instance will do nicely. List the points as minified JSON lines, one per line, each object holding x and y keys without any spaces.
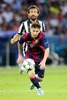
{"x":38,"y":71}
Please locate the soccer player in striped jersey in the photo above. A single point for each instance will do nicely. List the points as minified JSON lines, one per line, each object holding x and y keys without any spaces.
{"x":33,"y":13}
{"x":38,"y":50}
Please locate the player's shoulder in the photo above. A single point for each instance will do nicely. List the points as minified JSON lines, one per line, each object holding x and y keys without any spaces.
{"x":41,"y":22}
{"x":24,"y":21}
{"x":42,"y":33}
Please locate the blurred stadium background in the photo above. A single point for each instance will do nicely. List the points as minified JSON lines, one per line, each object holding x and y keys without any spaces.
{"x":14,"y":86}
{"x":52,"y":12}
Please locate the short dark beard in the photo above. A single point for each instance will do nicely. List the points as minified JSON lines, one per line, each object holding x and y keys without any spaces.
{"x":33,"y":19}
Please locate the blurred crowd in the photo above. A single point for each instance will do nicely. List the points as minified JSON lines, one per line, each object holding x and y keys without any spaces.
{"x":52,"y":12}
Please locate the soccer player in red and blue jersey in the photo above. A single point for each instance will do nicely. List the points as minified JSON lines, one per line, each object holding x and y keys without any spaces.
{"x":38,"y":50}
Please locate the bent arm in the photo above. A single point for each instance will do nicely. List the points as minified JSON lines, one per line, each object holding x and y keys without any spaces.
{"x":20,"y":57}
{"x":19,"y":48}
{"x":15,"y":38}
{"x":43,"y":62}
{"x":46,"y":54}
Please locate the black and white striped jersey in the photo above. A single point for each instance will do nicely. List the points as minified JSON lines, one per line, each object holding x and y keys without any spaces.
{"x":25,"y":28}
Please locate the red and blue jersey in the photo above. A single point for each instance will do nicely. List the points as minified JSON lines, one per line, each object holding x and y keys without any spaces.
{"x":36,"y":47}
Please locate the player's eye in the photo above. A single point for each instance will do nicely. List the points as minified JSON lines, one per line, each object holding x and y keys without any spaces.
{"x":36,"y":31}
{"x":33,"y":30}
{"x":31,"y":11}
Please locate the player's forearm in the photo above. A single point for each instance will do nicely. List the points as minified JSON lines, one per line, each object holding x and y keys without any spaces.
{"x":15,"y":38}
{"x":19,"y":48}
{"x":46,"y":54}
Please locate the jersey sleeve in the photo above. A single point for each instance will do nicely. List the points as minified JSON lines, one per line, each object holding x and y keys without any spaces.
{"x":45,"y":42}
{"x":21,"y":29}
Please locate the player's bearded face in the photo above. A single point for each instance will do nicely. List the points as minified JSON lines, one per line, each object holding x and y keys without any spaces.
{"x":33,"y":14}
{"x":34,"y":32}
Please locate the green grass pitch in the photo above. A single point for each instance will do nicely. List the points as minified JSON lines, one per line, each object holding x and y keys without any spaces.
{"x":14,"y":86}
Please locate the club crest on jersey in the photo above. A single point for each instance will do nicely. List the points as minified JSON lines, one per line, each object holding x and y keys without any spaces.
{"x":33,"y":43}
{"x":36,"y":41}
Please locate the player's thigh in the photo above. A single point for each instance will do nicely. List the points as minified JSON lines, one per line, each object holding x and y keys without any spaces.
{"x":31,"y":73}
{"x":39,"y":72}
{"x":41,"y":75}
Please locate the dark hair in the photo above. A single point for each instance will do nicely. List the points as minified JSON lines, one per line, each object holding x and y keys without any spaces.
{"x":36,"y":25}
{"x":33,"y":6}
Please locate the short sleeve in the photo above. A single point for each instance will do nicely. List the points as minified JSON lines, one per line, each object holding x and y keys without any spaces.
{"x":21,"y":29}
{"x":45,"y":42}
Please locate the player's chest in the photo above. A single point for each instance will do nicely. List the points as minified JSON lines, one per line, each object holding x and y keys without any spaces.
{"x":33,"y":43}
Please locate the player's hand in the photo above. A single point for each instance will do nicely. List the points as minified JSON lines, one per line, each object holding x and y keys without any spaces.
{"x":42,"y":64}
{"x":12,"y":41}
{"x":20,"y":59}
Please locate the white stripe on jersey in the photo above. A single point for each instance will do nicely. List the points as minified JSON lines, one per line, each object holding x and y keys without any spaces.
{"x":24,"y":48}
{"x":20,"y":28}
{"x":26,"y":26}
{"x":40,"y":22}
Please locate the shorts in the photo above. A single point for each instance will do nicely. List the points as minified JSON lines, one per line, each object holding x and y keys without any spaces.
{"x":38,"y":71}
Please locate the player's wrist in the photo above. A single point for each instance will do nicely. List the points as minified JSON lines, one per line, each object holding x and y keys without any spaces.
{"x":19,"y":52}
{"x":13,"y":40}
{"x":44,"y":60}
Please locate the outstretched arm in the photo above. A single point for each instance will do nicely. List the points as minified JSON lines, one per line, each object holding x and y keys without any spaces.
{"x":20,"y":32}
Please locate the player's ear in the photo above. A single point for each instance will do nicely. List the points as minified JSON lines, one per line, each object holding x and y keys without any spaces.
{"x":37,"y":14}
{"x":27,"y":13}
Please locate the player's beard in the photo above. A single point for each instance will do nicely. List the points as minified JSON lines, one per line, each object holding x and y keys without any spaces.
{"x":33,"y":18}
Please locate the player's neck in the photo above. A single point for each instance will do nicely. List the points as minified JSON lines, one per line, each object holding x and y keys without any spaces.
{"x":33,"y":21}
